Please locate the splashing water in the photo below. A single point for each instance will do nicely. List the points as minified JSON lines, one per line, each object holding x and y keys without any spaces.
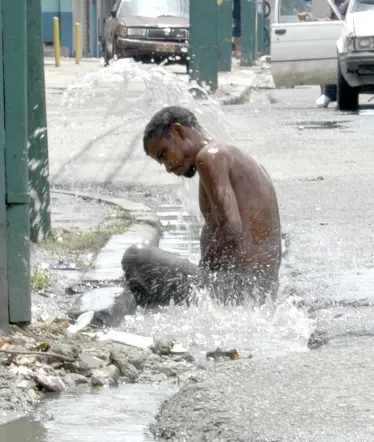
{"x":123,"y":98}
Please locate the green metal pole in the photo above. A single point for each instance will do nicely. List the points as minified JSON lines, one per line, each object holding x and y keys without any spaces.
{"x":16,"y":159}
{"x":40,"y":216}
{"x":260,"y":27}
{"x":224,"y":34}
{"x":4,"y":307}
{"x":248,"y":32}
{"x":203,"y":51}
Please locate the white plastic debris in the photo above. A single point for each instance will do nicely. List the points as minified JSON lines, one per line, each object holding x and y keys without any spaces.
{"x":178,"y":349}
{"x":127,"y":339}
{"x":82,"y":322}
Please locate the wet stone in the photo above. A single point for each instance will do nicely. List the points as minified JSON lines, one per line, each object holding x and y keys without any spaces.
{"x":67,"y":350}
{"x":90,"y":361}
{"x":78,"y":367}
{"x":127,"y":371}
{"x":78,"y":379}
{"x":107,"y":376}
{"x":110,"y":305}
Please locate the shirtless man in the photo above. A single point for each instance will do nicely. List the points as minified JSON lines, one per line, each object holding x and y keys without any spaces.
{"x":241,"y":238}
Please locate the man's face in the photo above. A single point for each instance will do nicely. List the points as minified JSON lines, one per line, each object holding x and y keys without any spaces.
{"x":175,"y":152}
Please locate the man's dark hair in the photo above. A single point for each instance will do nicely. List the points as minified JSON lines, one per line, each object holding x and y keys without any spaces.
{"x":163,"y":120}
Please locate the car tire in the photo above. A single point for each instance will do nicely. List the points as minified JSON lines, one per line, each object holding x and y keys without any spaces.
{"x":347,"y":95}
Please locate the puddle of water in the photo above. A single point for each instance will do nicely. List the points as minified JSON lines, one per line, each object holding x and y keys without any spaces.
{"x":115,"y":414}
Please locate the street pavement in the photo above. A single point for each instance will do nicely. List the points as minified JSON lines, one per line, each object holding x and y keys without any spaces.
{"x":321,"y":161}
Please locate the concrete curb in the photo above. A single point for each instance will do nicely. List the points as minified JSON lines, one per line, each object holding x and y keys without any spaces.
{"x":146,"y":228}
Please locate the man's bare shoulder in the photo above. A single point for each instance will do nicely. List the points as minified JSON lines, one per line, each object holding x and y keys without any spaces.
{"x":212,"y":152}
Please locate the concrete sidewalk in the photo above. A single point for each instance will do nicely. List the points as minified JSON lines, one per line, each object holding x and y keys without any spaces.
{"x":98,"y":285}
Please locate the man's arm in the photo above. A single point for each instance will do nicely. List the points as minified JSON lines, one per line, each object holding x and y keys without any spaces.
{"x":214,"y":175}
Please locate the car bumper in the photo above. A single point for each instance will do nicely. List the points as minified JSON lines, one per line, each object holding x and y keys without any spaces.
{"x":127,"y":47}
{"x":358,"y":68}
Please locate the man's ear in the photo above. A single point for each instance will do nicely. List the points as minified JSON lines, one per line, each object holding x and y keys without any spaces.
{"x":178,"y":129}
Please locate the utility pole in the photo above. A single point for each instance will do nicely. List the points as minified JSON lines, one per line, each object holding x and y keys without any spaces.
{"x":16,"y":159}
{"x":4,"y":307}
{"x":203,"y":50}
{"x":248,"y":31}
{"x":224,"y":34}
{"x":40,"y":216}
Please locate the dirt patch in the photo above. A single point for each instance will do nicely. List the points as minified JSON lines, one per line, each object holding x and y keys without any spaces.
{"x":75,"y":243}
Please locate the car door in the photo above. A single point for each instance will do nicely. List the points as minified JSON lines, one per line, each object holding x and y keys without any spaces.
{"x":304,"y":52}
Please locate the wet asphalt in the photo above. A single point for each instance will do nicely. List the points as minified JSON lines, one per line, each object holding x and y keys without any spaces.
{"x":321,"y":161}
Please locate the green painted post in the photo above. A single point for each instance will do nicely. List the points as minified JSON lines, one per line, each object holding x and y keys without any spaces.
{"x":40,"y":216}
{"x":16,"y":159}
{"x":4,"y":308}
{"x":248,"y":32}
{"x":224,"y":34}
{"x":260,"y":27}
{"x":203,"y":51}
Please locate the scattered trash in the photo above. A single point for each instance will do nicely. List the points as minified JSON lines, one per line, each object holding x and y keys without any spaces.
{"x":128,"y":339}
{"x":225,"y":355}
{"x":63,"y":266}
{"x":178,"y":349}
{"x":82,"y":322}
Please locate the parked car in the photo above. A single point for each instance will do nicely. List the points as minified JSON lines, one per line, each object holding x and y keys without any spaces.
{"x":325,"y":51}
{"x":147,"y":29}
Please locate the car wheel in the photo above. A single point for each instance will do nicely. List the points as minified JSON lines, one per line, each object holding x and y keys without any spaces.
{"x":347,"y":95}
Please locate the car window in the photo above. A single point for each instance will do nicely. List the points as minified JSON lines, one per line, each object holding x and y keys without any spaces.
{"x":155,"y":8}
{"x":362,"y":5}
{"x":288,"y":10}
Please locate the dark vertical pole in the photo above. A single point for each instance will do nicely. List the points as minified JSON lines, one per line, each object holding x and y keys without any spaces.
{"x":260,"y":27}
{"x":224,"y":34}
{"x":4,"y":307}
{"x":203,"y":51}
{"x":248,"y":31}
{"x":40,"y":217}
{"x":16,"y":159}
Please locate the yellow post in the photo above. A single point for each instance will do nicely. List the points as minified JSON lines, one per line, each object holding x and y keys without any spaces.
{"x":56,"y":40}
{"x":77,"y":43}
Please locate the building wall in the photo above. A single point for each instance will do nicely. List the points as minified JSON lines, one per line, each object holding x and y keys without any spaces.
{"x":89,"y":13}
{"x":63,"y":9}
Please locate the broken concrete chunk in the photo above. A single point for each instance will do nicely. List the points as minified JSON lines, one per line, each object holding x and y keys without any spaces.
{"x":48,"y":382}
{"x":107,"y":376}
{"x":78,"y":379}
{"x":91,"y":361}
{"x":109,"y":304}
